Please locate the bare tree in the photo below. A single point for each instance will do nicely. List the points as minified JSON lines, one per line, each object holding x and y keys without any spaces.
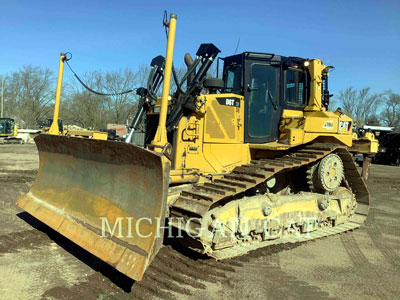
{"x":360,"y":105}
{"x":83,"y":108}
{"x":142,"y":75}
{"x":90,"y":110}
{"x":391,"y":112}
{"x":373,"y":120}
{"x":28,"y":94}
{"x":180,"y":72}
{"x":120,"y":105}
{"x":86,"y":110}
{"x":333,"y":105}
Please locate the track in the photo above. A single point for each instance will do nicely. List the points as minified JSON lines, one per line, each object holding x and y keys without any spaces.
{"x":197,"y":201}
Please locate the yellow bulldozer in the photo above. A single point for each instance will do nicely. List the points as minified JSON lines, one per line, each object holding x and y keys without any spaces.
{"x":9,"y":131}
{"x":229,"y":165}
{"x":8,"y":128}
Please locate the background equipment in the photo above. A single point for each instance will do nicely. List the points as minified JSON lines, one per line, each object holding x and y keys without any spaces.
{"x":55,"y":124}
{"x":9,"y":131}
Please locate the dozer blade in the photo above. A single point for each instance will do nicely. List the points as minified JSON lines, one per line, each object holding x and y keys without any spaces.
{"x":107,"y":197}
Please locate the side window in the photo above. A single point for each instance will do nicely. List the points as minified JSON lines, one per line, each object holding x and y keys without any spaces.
{"x":230,"y":79}
{"x":234,"y":79}
{"x":301,"y":82}
{"x":290,"y":87}
{"x":295,"y":83}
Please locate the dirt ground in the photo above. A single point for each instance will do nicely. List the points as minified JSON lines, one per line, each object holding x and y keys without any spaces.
{"x":37,"y":263}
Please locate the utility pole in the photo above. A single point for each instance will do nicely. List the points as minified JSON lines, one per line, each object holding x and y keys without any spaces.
{"x":2,"y":94}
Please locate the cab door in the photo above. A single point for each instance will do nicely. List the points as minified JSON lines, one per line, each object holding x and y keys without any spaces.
{"x":262,"y":105}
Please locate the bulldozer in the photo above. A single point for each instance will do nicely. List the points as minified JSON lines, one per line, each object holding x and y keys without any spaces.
{"x":9,"y":131}
{"x":231,"y":164}
{"x":8,"y":128}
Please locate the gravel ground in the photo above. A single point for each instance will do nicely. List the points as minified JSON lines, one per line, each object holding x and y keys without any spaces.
{"x":38,"y":263}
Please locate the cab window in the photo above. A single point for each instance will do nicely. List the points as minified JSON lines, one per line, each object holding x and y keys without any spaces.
{"x":262,"y":100}
{"x":234,"y":79}
{"x":295,"y":87}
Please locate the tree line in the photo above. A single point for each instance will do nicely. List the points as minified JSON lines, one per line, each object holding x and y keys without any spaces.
{"x":29,"y":98}
{"x":368,"y":108}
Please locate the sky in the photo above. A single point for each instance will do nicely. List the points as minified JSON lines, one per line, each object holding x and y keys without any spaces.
{"x":361,"y":38}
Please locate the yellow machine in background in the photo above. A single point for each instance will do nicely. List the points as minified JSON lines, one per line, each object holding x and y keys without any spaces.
{"x":56,"y":127}
{"x":232,"y":164}
{"x":9,"y":131}
{"x":8,"y":128}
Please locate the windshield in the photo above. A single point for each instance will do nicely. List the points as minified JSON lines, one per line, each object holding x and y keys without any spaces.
{"x":6,"y":126}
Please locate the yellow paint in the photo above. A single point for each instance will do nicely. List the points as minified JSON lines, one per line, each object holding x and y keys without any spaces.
{"x":367,"y":144}
{"x":223,"y":124}
{"x":298,"y":128}
{"x":160,"y":138}
{"x":211,"y":140}
{"x":98,"y":135}
{"x":54,"y":126}
{"x":315,"y":102}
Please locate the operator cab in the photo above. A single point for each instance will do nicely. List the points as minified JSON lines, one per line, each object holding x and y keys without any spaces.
{"x":269,"y":83}
{"x":6,"y":126}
